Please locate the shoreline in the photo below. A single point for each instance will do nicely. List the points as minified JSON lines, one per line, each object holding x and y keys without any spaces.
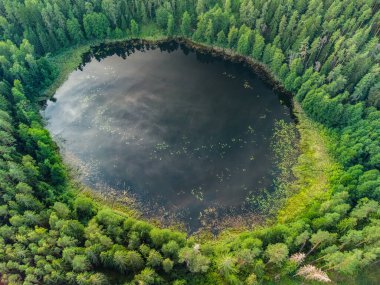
{"x":76,"y":57}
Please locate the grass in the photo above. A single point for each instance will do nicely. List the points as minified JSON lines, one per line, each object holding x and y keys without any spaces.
{"x":65,"y":62}
{"x":312,"y":170}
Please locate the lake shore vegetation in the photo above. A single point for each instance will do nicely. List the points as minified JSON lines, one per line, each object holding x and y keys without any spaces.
{"x":324,"y":52}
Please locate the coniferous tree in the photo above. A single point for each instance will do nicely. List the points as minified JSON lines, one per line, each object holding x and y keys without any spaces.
{"x":170,"y":27}
{"x":186,"y":24}
{"x":233,"y":35}
{"x":221,"y":39}
{"x":244,"y":45}
{"x":134,"y":28}
{"x":258,"y":46}
{"x":209,"y":33}
{"x":325,"y":52}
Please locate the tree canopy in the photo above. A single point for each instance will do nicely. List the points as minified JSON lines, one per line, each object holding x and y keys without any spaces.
{"x":325,"y":52}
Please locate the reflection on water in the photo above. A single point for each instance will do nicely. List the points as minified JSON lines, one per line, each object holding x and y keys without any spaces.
{"x":177,"y":129}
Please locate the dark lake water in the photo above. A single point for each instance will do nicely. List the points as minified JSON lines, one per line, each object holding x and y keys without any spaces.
{"x":183,"y":132}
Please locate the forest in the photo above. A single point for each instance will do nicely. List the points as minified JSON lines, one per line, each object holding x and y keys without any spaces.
{"x":324,"y":52}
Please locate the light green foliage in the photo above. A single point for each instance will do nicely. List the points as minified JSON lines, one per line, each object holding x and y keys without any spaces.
{"x":233,"y":35}
{"x":227,"y":265}
{"x":80,"y":263}
{"x":244,"y":43}
{"x":186,"y":24}
{"x":167,"y":265}
{"x":251,"y":279}
{"x":247,"y":12}
{"x":268,"y":54}
{"x":209,"y":33}
{"x":321,"y":239}
{"x":277,"y":253}
{"x":221,"y":39}
{"x":154,"y":258}
{"x":171,"y":249}
{"x":277,"y":60}
{"x":258,"y":46}
{"x":91,"y":279}
{"x":195,"y":261}
{"x":146,"y":276}
{"x":124,"y":260}
{"x":134,"y":28}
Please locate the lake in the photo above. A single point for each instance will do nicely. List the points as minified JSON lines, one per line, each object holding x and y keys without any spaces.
{"x":186,"y":134}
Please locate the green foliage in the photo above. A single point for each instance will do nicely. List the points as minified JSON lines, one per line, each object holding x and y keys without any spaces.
{"x":96,"y":25}
{"x":167,"y":265}
{"x":74,"y":30}
{"x":134,"y":28}
{"x":258,"y":46}
{"x":186,"y":24}
{"x":128,"y":260}
{"x":170,"y":26}
{"x":147,"y":276}
{"x":325,"y":52}
{"x":171,"y":249}
{"x":277,"y":253}
{"x":84,"y":208}
{"x":195,"y":261}
{"x":162,"y":15}
{"x":209,"y":32}
{"x":221,"y":39}
{"x":233,"y":35}
{"x":80,"y":263}
{"x":154,"y":258}
{"x":244,"y":43}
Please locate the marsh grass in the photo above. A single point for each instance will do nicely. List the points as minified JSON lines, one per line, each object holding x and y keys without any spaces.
{"x":65,"y":62}
{"x":285,"y":150}
{"x":312,"y":171}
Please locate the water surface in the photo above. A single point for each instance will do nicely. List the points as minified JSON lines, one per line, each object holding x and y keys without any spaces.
{"x":181,"y":131}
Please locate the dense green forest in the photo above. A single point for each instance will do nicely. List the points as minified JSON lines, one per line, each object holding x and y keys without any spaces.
{"x":325,"y":52}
